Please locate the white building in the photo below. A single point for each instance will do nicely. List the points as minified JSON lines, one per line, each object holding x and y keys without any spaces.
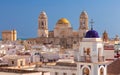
{"x":16,"y":60}
{"x":7,"y":71}
{"x":109,"y":52}
{"x":89,"y":59}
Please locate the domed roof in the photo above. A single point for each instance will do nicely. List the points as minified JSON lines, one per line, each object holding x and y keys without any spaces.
{"x":92,"y":34}
{"x":84,"y":14}
{"x":43,"y":15}
{"x":63,"y":21}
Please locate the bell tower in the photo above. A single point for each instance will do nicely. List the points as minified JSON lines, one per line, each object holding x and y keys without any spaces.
{"x":90,"y":56}
{"x":83,"y":24}
{"x":105,"y":36}
{"x":43,"y":25}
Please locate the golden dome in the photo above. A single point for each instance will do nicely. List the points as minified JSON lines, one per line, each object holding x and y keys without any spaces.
{"x":63,"y":21}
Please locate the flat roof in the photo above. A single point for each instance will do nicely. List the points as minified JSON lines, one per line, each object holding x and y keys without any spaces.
{"x":18,"y":70}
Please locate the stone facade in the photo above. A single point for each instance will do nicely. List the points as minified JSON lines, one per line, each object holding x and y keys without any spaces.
{"x":63,"y":33}
{"x":9,"y":35}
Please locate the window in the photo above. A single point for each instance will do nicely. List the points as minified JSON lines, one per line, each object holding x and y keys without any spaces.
{"x":101,"y":71}
{"x":88,"y":51}
{"x":64,"y":73}
{"x":85,"y":71}
{"x":42,"y":23}
{"x":56,"y":73}
{"x":21,"y":63}
{"x":73,"y":74}
{"x":12,"y":62}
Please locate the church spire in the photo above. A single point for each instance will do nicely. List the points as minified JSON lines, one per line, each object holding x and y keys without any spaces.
{"x":43,"y":25}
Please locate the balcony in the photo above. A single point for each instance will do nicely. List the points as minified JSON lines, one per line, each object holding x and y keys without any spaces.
{"x":90,"y":59}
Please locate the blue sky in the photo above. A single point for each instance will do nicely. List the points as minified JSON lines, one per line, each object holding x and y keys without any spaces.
{"x":22,"y":15}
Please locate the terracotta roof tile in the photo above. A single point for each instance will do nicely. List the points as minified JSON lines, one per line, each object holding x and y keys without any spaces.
{"x":114,"y":68}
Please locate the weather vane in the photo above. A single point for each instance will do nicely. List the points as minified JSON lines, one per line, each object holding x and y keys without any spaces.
{"x":91,"y":22}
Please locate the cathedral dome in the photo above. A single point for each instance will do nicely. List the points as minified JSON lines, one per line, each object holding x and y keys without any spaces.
{"x":92,"y":34}
{"x":63,"y":21}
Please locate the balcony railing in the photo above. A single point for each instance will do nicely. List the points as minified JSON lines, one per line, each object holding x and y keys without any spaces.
{"x":90,"y":59}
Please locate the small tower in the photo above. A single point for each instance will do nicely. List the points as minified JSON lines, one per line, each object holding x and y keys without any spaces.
{"x":90,"y":58}
{"x":105,"y":36}
{"x":83,"y":24}
{"x":9,"y":35}
{"x":14,"y":35}
{"x":43,"y":25}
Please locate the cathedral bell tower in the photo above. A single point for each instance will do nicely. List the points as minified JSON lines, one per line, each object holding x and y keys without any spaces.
{"x":83,"y":24}
{"x":43,"y":25}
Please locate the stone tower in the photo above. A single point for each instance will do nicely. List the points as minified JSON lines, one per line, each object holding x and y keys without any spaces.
{"x":9,"y":35}
{"x":83,"y":24}
{"x":43,"y":25}
{"x":14,"y":32}
{"x":105,"y":36}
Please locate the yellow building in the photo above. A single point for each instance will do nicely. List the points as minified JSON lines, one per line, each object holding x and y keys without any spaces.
{"x":9,"y":35}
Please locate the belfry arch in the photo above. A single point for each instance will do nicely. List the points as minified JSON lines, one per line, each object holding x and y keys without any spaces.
{"x":101,"y":70}
{"x":86,"y":70}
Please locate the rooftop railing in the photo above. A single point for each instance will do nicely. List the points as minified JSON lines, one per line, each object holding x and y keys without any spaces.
{"x":58,"y":67}
{"x":90,"y":59}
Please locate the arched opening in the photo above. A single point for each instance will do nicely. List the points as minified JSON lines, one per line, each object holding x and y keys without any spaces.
{"x":102,"y":71}
{"x":88,"y":51}
{"x":86,"y":71}
{"x":42,"y":23}
{"x":87,"y":54}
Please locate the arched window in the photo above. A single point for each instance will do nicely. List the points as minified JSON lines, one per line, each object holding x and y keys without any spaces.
{"x":86,"y":71}
{"x":42,"y":23}
{"x":101,"y":71}
{"x":88,"y":51}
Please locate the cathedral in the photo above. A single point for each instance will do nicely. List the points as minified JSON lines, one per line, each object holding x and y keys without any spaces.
{"x":63,"y":33}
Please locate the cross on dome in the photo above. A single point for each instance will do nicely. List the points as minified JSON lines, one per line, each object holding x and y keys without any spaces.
{"x":92,"y":33}
{"x":91,"y":22}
